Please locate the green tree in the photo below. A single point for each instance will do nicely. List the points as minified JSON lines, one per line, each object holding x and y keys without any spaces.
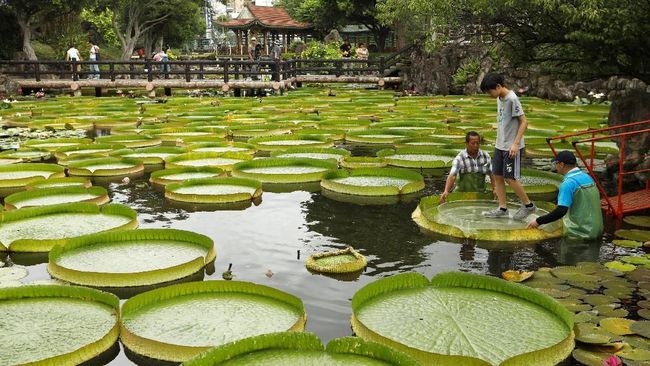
{"x":30,"y":13}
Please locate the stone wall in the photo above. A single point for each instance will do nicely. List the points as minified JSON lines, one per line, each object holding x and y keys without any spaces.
{"x":432,"y":74}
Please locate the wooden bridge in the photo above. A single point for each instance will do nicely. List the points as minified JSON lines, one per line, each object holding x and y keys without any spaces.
{"x":226,"y":74}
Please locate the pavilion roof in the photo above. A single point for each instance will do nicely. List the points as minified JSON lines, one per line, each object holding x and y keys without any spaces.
{"x":267,"y":17}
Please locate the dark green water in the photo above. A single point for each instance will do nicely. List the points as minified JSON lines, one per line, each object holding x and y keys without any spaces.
{"x":285,"y":228}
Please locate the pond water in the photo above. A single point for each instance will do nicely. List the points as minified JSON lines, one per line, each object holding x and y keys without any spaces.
{"x":285,"y":228}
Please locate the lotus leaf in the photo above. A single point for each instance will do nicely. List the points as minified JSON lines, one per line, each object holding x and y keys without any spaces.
{"x":281,"y":170}
{"x":634,"y":234}
{"x":54,"y":196}
{"x":373,"y":181}
{"x":176,"y":175}
{"x":466,"y":310}
{"x":619,"y":266}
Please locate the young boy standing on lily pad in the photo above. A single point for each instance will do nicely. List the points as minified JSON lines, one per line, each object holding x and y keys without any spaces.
{"x":506,"y":161}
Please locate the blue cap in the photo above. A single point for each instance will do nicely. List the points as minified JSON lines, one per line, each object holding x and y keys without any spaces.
{"x":565,"y":157}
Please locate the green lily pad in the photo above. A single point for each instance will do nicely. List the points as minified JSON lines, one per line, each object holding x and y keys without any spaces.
{"x":401,"y":310}
{"x":619,"y":266}
{"x":56,"y":325}
{"x":643,"y":260}
{"x":584,"y":317}
{"x":590,"y":334}
{"x":637,"y":341}
{"x":617,"y":326}
{"x":599,"y":299}
{"x":176,"y":323}
{"x":627,"y":243}
{"x":611,"y":311}
{"x":644,"y":304}
{"x":298,"y":348}
{"x":641,"y":327}
{"x":589,"y":357}
{"x":641,"y":221}
{"x":644,"y":313}
{"x":633,"y":234}
{"x":618,"y":292}
{"x":635,"y":354}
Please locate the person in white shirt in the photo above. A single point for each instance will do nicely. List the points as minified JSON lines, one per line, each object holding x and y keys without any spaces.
{"x":94,"y":56}
{"x":73,"y":55}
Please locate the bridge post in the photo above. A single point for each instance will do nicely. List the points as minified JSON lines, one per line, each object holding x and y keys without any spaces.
{"x":132,"y":71}
{"x":226,"y":77}
{"x":37,"y":71}
{"x":111,"y":71}
{"x":168,"y":91}
{"x":149,"y":71}
{"x":98,"y":92}
{"x":382,"y":65}
{"x":75,"y":75}
{"x":188,"y":77}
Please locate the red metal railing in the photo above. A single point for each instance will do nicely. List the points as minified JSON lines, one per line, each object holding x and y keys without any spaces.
{"x":624,"y":202}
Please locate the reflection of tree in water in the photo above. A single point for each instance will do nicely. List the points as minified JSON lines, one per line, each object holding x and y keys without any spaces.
{"x":386,"y":232}
{"x":149,"y":203}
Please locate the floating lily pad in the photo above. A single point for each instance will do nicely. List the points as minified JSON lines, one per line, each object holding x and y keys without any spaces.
{"x":131,"y":258}
{"x":634,"y":234}
{"x":589,"y":357}
{"x":641,"y":327}
{"x":599,"y":299}
{"x":298,"y":348}
{"x":356,"y":162}
{"x":54,"y":196}
{"x":627,"y":243}
{"x":132,"y":141}
{"x":105,"y":167}
{"x":461,"y":217}
{"x":418,"y":157}
{"x":56,"y":325}
{"x":641,"y":221}
{"x":12,"y":273}
{"x":401,"y":310}
{"x":60,"y":182}
{"x":16,"y":177}
{"x":373,"y":182}
{"x":516,"y":276}
{"x":611,"y":311}
{"x":54,"y":144}
{"x":177,"y":322}
{"x":591,"y":334}
{"x":339,"y":261}
{"x":635,"y":354}
{"x":150,"y":155}
{"x":214,"y":190}
{"x":177,"y":175}
{"x":207,"y":159}
{"x":618,"y":326}
{"x":620,"y":266}
{"x":280,"y":170}
{"x":312,"y":153}
{"x":644,"y":313}
{"x":38,"y":229}
{"x":222,"y":147}
{"x":282,"y":142}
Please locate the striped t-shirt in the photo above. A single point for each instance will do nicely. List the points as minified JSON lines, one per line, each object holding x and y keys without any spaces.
{"x":463,"y":163}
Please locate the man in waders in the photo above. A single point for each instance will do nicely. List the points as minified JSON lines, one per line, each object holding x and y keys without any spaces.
{"x":578,"y":201}
{"x":469,"y":167}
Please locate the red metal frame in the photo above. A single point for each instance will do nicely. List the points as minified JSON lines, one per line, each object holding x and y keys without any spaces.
{"x":625,"y":202}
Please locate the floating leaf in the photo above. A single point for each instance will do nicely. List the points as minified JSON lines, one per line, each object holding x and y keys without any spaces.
{"x":641,"y":327}
{"x":618,"y":326}
{"x":635,"y":354}
{"x":641,"y":221}
{"x":634,"y":234}
{"x":627,"y":243}
{"x":516,"y":276}
{"x":619,"y":266}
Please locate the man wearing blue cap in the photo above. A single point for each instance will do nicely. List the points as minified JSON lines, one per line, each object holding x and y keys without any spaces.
{"x":578,"y":202}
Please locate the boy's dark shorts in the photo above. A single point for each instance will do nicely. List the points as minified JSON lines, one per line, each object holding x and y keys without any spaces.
{"x":503,"y":165}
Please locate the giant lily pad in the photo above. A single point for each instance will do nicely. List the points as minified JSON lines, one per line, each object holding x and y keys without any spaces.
{"x":339,"y":261}
{"x":373,"y":182}
{"x":56,"y":325}
{"x":105,"y":167}
{"x":461,"y":217}
{"x":131,"y":258}
{"x":418,"y":157}
{"x":52,"y":145}
{"x":55,"y":196}
{"x":178,"y":322}
{"x":214,"y":190}
{"x":132,"y":141}
{"x":222,"y":147}
{"x":177,"y":175}
{"x":38,"y":229}
{"x":16,"y":176}
{"x":312,"y":153}
{"x":301,"y":348}
{"x":150,"y":155}
{"x":60,"y":182}
{"x":85,"y":149}
{"x":539,"y":185}
{"x":478,"y":320}
{"x":224,"y":160}
{"x":276,"y":143}
{"x":281,"y":170}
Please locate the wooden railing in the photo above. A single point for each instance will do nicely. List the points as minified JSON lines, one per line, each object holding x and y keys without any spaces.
{"x":225,"y":69}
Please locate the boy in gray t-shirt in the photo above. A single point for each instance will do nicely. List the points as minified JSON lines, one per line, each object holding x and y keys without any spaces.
{"x":506,"y":161}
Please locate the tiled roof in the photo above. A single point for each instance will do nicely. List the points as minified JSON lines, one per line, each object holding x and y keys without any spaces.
{"x":268,"y":16}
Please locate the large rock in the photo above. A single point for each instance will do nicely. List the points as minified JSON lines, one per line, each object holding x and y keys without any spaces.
{"x":633,"y":107}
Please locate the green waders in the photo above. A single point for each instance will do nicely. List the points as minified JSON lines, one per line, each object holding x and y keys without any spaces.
{"x":584,"y":219}
{"x":470,"y":182}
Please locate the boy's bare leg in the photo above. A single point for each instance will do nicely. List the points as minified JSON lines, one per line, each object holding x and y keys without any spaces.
{"x":500,"y":188}
{"x":519,"y":191}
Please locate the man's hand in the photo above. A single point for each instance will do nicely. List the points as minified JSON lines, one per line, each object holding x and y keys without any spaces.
{"x":514,"y":150}
{"x":443,"y":197}
{"x":532,"y":224}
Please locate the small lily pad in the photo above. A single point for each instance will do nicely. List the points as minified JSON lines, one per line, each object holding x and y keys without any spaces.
{"x":620,"y":266}
{"x":558,"y":294}
{"x":617,"y":326}
{"x":591,"y":334}
{"x":644,"y":313}
{"x":644,"y":304}
{"x":516,"y":276}
{"x":641,"y":327}
{"x":635,"y":354}
{"x":618,"y":292}
{"x":589,"y":357}
{"x":611,"y":311}
{"x":13,"y":273}
{"x":627,"y":243}
{"x":634,"y":234}
{"x":640,"y":221}
{"x":637,"y":341}
{"x":584,"y":317}
{"x":599,"y":299}
{"x":643,"y":260}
